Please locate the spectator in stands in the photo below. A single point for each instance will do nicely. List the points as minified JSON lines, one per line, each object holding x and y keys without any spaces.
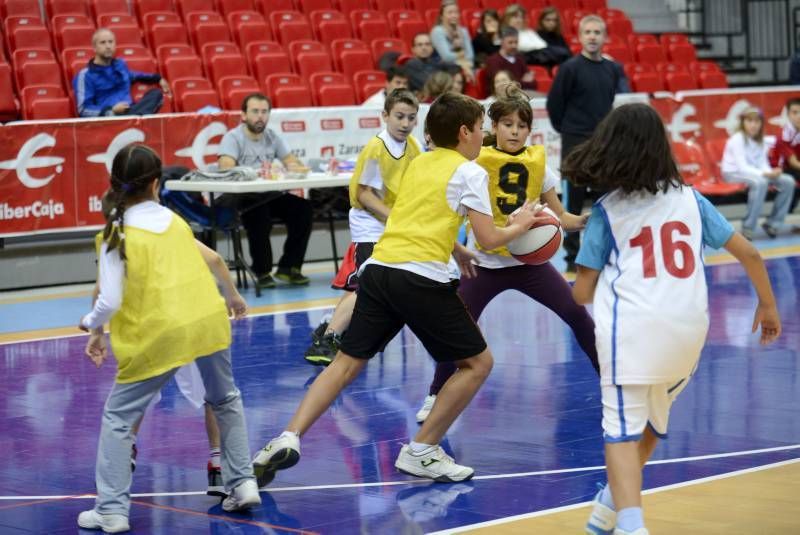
{"x":509,"y":59}
{"x":459,"y":81}
{"x":396,"y":78}
{"x":437,"y":84}
{"x":487,"y":41}
{"x":794,"y":69}
{"x":745,"y":161}
{"x":549,"y":29}
{"x":581,"y":96}
{"x":252,"y":144}
{"x":786,"y":153}
{"x":451,"y":41}
{"x":103,"y":87}
{"x":529,"y":43}
{"x":425,"y":62}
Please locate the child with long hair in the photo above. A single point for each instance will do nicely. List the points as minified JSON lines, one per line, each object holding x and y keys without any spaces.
{"x":641,"y":264}
{"x":516,"y":175}
{"x":745,"y":161}
{"x":165,"y":311}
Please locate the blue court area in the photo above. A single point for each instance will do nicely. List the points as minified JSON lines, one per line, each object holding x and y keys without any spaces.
{"x":532,"y":433}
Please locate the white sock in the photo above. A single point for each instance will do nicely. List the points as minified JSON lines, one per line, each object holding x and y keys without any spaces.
{"x":418,"y":447}
{"x":213,"y":457}
{"x":289,"y":434}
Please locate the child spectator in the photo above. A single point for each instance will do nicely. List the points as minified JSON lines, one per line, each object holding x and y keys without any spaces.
{"x":786,"y":153}
{"x":509,"y":59}
{"x":530,"y":43}
{"x":745,"y":161}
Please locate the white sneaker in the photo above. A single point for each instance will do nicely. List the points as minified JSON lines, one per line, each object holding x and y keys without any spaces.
{"x":242,"y":497}
{"x":91,"y":519}
{"x":639,"y":531}
{"x":432,"y":464}
{"x":425,"y":410}
{"x":279,"y":453}
{"x":602,"y":520}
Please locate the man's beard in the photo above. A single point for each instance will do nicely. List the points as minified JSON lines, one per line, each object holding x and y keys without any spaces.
{"x":255,"y":128}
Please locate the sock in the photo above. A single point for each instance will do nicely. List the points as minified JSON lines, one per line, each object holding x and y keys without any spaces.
{"x":213,"y":457}
{"x":419,"y":447}
{"x":605,"y":497}
{"x":289,"y":434}
{"x":630,"y":519}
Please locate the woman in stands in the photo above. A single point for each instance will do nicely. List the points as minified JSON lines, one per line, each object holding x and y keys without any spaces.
{"x":549,"y":28}
{"x":487,"y":41}
{"x":451,"y":41}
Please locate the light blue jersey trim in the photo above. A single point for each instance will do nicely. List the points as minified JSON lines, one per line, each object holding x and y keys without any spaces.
{"x":616,"y":296}
{"x":614,"y":440}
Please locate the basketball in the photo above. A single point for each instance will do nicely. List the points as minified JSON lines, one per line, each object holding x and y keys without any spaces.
{"x":539,"y":243}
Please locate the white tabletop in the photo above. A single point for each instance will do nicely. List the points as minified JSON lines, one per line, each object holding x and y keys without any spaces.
{"x":313,"y":180}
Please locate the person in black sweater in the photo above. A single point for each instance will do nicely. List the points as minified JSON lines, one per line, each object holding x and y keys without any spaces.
{"x":549,"y":28}
{"x":581,"y":96}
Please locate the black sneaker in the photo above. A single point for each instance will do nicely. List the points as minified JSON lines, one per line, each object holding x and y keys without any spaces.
{"x":322,"y":351}
{"x":215,"y":485}
{"x":134,"y":453}
{"x":771,"y":231}
{"x":292,"y":276}
{"x":319,"y":332}
{"x":266,"y":281}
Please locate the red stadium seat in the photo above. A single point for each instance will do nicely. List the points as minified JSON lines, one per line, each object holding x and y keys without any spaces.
{"x":396,"y":15}
{"x":252,"y":32}
{"x":636,"y":39}
{"x":650,"y":53}
{"x":667,"y":39}
{"x":268,"y":6}
{"x":28,"y":55}
{"x":267,"y":57}
{"x":184,"y":7}
{"x":176,"y":67}
{"x":20,"y":8}
{"x":369,"y":24}
{"x":679,"y":81}
{"x":160,"y":17}
{"x":309,"y":6}
{"x":592,"y":5}
{"x":288,"y":91}
{"x":26,"y":32}
{"x":39,"y":73}
{"x":309,"y":57}
{"x":194,"y":99}
{"x":45,"y":102}
{"x":351,"y":56}
{"x":108,"y":7}
{"x":116,"y":19}
{"x":141,"y":8}
{"x":65,"y":7}
{"x":696,"y":67}
{"x":330,"y":25}
{"x":423,"y":5}
{"x":697,"y":170}
{"x":233,"y":89}
{"x":431,"y":17}
{"x":177,"y":50}
{"x":682,"y":52}
{"x":619,"y":53}
{"x":8,"y":104}
{"x":74,"y":36}
{"x":290,"y":26}
{"x":59,"y":22}
{"x":332,"y":89}
{"x":226,"y":7}
{"x":73,"y":60}
{"x":407,"y":29}
{"x":209,"y":32}
{"x":346,"y":6}
{"x":713,"y":80}
{"x":367,"y":83}
{"x":166,"y":34}
{"x":223,"y":65}
{"x":646,"y":82}
{"x":126,"y":34}
{"x":382,"y":46}
{"x":619,"y":27}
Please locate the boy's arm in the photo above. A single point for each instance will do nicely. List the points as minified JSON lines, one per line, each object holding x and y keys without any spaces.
{"x":766,"y":314}
{"x":464,"y":258}
{"x":489,"y":236}
{"x":235,"y":303}
{"x":369,"y":200}
{"x":585,"y":284}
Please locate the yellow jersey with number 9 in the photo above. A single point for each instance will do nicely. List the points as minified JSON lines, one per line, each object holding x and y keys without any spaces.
{"x":513,"y":179}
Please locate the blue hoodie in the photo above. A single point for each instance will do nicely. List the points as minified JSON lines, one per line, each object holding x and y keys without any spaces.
{"x":99,"y":87}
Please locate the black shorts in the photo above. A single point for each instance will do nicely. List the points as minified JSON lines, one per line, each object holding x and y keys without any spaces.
{"x":390,"y":298}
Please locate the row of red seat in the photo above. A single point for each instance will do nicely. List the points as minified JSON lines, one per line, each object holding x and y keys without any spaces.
{"x":141,"y":7}
{"x":700,"y":166}
{"x":650,"y":78}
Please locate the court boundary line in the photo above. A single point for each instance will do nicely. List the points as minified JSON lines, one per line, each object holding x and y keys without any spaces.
{"x":18,"y":337}
{"x":598,"y":468}
{"x":554,"y":510}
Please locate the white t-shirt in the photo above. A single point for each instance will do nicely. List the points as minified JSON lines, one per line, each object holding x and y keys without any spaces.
{"x":364,"y":226}
{"x":467,"y":189}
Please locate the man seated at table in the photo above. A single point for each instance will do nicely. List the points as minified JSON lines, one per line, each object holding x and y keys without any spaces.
{"x":252,"y":144}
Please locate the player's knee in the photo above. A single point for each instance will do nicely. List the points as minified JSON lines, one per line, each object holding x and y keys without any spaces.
{"x":480,"y":364}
